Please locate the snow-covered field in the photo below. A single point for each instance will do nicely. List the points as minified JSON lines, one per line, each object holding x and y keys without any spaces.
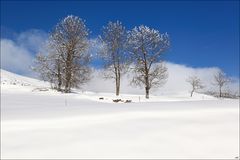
{"x":48,"y":124}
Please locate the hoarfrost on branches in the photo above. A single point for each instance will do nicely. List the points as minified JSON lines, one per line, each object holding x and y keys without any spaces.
{"x":146,"y":46}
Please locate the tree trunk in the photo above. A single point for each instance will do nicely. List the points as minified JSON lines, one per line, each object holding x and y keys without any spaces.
{"x":117,"y":87}
{"x":68,"y":73}
{"x":59,"y":76}
{"x":59,"y":85}
{"x":220,"y":92}
{"x":191,"y":93}
{"x":147,"y":92}
{"x":67,"y":85}
{"x":147,"y":85}
{"x":146,"y":71}
{"x":117,"y":80}
{"x":147,"y":88}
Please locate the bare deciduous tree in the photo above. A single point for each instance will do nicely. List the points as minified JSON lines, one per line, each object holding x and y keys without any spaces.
{"x":113,"y":52}
{"x":195,"y":83}
{"x":66,"y":64}
{"x":146,"y":47}
{"x":221,"y":80}
{"x":69,"y":39}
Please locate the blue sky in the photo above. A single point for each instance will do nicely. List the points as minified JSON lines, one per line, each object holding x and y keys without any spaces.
{"x":203,"y":33}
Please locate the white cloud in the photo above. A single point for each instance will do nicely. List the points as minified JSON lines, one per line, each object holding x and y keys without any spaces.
{"x":17,"y":55}
{"x":33,"y":40}
{"x":15,"y":58}
{"x":179,"y":73}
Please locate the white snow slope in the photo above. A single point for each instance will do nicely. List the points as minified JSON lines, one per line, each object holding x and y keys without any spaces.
{"x":47,"y":124}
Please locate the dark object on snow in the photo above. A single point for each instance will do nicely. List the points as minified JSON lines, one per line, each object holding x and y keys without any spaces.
{"x":128,"y":101}
{"x":117,"y":100}
{"x":101,"y":98}
{"x":40,"y":89}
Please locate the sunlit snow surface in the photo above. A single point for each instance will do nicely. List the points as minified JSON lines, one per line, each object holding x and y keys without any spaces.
{"x":48,"y":124}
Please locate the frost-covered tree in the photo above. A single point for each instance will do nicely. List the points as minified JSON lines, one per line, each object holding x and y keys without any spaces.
{"x":66,"y":64}
{"x":146,"y":47}
{"x":49,"y":69}
{"x":113,"y":53}
{"x":69,"y":41}
{"x":195,"y":83}
{"x":221,"y":80}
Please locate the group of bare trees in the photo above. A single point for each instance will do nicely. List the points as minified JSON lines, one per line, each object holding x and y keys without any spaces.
{"x":138,"y":50}
{"x":141,"y":47}
{"x":220,"y":80}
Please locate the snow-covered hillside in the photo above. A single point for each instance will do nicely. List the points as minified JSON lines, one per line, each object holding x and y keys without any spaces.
{"x":14,"y":82}
{"x":37,"y":122}
{"x":11,"y":82}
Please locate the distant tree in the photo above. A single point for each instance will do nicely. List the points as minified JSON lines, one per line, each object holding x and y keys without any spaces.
{"x":221,"y":80}
{"x":113,"y":52}
{"x":146,"y":47}
{"x":195,"y":83}
{"x":66,"y":64}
